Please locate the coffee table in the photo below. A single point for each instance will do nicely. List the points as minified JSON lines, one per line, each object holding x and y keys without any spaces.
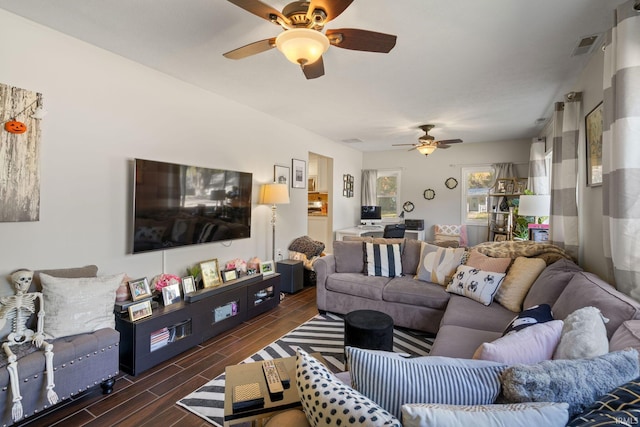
{"x":247,"y":373}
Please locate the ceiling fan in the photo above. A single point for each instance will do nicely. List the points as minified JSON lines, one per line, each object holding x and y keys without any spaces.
{"x":427,"y":143}
{"x":302,"y":40}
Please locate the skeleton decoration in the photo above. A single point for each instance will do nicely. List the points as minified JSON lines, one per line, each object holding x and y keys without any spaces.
{"x":17,"y":309}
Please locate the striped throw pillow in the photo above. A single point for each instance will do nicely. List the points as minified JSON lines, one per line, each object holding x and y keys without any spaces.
{"x":390,"y":381}
{"x":383,"y":259}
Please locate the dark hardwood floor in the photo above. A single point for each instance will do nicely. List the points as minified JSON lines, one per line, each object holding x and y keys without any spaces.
{"x":149,"y":399}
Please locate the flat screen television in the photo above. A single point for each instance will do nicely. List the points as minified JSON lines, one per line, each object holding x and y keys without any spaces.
{"x":370,"y":214}
{"x":177,"y":205}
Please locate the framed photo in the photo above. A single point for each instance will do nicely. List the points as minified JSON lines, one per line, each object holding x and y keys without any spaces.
{"x":140,"y":310}
{"x":311,"y":182}
{"x":210,"y":273}
{"x":521,"y":186}
{"x":298,"y":173}
{"x":267,"y":268}
{"x":140,"y":289}
{"x":501,"y":186}
{"x":510,"y":187}
{"x":500,"y":238}
{"x":593,"y":129}
{"x":188,"y":285}
{"x":231,"y":274}
{"x":171,"y":294}
{"x":281,"y":174}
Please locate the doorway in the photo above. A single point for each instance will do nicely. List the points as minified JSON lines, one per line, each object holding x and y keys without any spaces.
{"x":320,"y":199}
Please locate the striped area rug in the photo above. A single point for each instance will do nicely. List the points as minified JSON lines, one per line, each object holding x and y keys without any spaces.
{"x":322,"y":334}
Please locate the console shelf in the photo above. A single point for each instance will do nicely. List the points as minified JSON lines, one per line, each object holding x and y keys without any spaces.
{"x":176,"y":328}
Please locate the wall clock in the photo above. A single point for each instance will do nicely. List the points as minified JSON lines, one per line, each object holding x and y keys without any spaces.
{"x":429,"y":194}
{"x":451,"y":183}
{"x":408,"y":207}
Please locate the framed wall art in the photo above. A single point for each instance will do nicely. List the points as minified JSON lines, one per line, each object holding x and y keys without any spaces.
{"x":593,"y":129}
{"x":210,"y":273}
{"x":298,"y":173}
{"x":281,"y":174}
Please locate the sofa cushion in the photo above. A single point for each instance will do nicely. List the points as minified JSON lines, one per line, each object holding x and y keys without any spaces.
{"x":531,"y":316}
{"x":438,"y":264}
{"x":578,"y":382}
{"x":357,"y":284}
{"x":533,"y":414}
{"x":479,"y":285}
{"x":383,"y":260}
{"x":521,"y":275}
{"x":465,"y":312}
{"x":619,"y":406}
{"x":583,"y":335}
{"x":411,"y":256}
{"x":530,"y":345}
{"x":550,"y":283}
{"x":409,"y":291}
{"x":627,"y":335}
{"x":487,"y":263}
{"x":587,"y":289}
{"x":459,"y":341}
{"x":73,"y":272}
{"x":349,"y":257}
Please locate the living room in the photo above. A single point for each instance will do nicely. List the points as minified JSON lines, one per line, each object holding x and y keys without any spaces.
{"x":105,"y":110}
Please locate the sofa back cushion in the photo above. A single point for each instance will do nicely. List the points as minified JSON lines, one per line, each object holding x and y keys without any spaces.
{"x":587,"y":289}
{"x":349,"y":256}
{"x":411,"y":256}
{"x":550,"y":283}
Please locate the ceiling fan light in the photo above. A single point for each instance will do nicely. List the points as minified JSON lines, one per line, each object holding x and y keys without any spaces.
{"x":426,"y":149}
{"x":302,"y":45}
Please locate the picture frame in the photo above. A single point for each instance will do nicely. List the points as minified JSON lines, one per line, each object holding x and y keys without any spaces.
{"x":298,"y":173}
{"x":510,"y":187}
{"x":210,"y":273}
{"x":228,"y":275}
{"x":500,"y":238}
{"x":311,"y":182}
{"x":267,"y":268}
{"x":593,"y":124}
{"x":188,"y":285}
{"x":501,"y":186}
{"x":171,"y":294}
{"x":140,"y":310}
{"x":140,"y":289}
{"x":281,"y":174}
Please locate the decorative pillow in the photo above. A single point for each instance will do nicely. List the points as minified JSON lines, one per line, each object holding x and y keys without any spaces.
{"x":619,"y":407}
{"x":487,"y":263}
{"x":77,"y":306}
{"x":390,"y":381}
{"x":583,"y":335}
{"x":531,"y":316}
{"x":533,"y":414}
{"x":520,"y":277}
{"x":305,"y":244}
{"x":327,"y":401}
{"x":383,"y":260}
{"x":578,"y":382}
{"x":445,"y":232}
{"x":438,"y":264}
{"x":348,"y":256}
{"x":476,"y":284}
{"x":530,"y":345}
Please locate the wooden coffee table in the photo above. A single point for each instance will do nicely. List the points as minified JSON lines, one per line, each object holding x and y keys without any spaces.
{"x":247,"y":373}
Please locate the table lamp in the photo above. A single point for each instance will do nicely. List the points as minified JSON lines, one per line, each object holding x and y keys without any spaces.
{"x":535,"y":206}
{"x":274,"y":194}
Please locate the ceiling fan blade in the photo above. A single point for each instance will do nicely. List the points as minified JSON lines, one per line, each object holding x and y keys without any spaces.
{"x":449,"y":141}
{"x":355,"y":39}
{"x":444,"y":147}
{"x":411,"y":149}
{"x":251,"y":49}
{"x":398,"y":145}
{"x":332,"y":8}
{"x":260,"y":9}
{"x":315,"y":70}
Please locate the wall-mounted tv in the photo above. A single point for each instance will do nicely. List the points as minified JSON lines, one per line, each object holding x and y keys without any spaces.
{"x":177,"y":205}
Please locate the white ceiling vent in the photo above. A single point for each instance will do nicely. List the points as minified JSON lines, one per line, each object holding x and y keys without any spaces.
{"x":586,"y":44}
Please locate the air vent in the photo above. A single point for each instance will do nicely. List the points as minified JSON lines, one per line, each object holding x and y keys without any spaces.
{"x":586,"y":45}
{"x":352,"y":141}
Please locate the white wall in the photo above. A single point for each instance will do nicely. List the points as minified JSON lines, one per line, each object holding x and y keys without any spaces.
{"x":420,"y":172}
{"x":104,"y":111}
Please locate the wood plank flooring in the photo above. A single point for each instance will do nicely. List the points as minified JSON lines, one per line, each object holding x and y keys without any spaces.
{"x":149,"y":399}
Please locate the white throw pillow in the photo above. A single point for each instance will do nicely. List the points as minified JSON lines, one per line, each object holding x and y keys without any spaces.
{"x":480,"y":286}
{"x":583,"y":335}
{"x":77,"y":306}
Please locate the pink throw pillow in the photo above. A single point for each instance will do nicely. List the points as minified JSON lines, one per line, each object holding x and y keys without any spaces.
{"x":487,"y":263}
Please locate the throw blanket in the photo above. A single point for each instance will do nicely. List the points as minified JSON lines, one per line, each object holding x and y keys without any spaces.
{"x":527,"y":248}
{"x":306,"y":249}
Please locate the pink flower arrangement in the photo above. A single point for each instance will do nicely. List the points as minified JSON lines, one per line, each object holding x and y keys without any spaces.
{"x":163,"y":280}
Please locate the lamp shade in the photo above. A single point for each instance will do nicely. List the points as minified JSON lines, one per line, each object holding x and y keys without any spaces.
{"x":302,"y":45}
{"x":538,"y":205}
{"x":274,"y":194}
{"x":426,"y":149}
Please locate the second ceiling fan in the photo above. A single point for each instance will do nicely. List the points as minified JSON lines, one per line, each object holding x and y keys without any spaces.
{"x":302,"y":40}
{"x":427,"y":143}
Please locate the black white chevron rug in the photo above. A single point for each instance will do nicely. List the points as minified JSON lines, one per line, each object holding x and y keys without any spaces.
{"x":322,"y":334}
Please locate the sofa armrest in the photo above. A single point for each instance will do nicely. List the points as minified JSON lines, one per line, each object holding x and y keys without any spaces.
{"x":324,"y":267}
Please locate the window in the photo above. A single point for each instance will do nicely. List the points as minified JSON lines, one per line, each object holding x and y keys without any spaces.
{"x":388,"y":191}
{"x":476,"y":182}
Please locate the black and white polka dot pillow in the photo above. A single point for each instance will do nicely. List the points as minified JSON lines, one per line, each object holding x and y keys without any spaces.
{"x":327,"y":401}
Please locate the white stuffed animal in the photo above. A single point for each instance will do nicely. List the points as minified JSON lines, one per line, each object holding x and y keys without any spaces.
{"x":583,"y":335}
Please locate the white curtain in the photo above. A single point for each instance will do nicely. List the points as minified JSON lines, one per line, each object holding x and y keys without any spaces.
{"x":621,"y":150}
{"x":503,"y":170}
{"x":564,"y":206}
{"x":538,"y":181}
{"x":368,"y":195}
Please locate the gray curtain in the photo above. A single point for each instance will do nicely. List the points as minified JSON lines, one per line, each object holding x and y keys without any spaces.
{"x":368,"y":195}
{"x":563,"y":223}
{"x":621,"y":150}
{"x":538,"y":181}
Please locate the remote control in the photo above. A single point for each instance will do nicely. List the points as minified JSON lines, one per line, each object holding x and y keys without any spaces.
{"x":271,"y":375}
{"x":282,"y":373}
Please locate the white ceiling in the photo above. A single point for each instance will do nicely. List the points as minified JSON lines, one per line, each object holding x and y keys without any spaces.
{"x":478,"y":70}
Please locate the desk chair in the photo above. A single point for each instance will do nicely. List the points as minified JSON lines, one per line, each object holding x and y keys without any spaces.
{"x":394,"y":231}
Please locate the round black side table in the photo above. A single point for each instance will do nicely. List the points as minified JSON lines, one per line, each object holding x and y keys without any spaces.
{"x":368,"y":329}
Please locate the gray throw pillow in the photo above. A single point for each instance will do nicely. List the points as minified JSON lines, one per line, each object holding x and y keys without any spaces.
{"x":578,"y":382}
